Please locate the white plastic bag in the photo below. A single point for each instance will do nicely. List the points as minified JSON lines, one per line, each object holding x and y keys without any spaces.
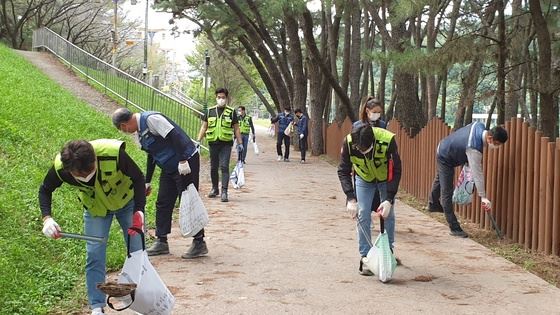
{"x":256,"y":148}
{"x":288,"y":130}
{"x":237,"y":176}
{"x":193,"y":216}
{"x":380,"y":259}
{"x":271,"y":131}
{"x":151,"y":297}
{"x":462,"y":194}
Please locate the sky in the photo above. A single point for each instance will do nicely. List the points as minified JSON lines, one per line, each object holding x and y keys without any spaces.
{"x":182,"y":45}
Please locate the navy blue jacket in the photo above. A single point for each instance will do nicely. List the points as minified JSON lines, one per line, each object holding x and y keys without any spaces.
{"x":451,"y":150}
{"x":283,"y":121}
{"x":302,"y":125}
{"x":165,"y":152}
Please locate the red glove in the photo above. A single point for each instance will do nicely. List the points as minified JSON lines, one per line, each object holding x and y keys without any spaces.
{"x":137,"y":223}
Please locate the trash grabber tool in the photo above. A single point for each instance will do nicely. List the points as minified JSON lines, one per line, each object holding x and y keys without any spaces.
{"x":83,"y":237}
{"x":494,"y":224}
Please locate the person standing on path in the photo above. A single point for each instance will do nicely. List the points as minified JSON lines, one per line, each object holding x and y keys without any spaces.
{"x":370,"y":114}
{"x":371,"y":153}
{"x":284,"y":120}
{"x":170,"y":148}
{"x":463,"y":146}
{"x":303,"y":132}
{"x":110,"y":185}
{"x":220,"y":125}
{"x":245,"y":126}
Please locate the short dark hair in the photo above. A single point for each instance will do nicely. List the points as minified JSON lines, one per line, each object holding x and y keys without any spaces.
{"x":500,"y":134}
{"x":222,"y":90}
{"x":287,"y":107}
{"x":298,"y":111}
{"x":242,"y":107}
{"x":77,"y":155}
{"x":120,"y":116}
{"x":362,"y":136}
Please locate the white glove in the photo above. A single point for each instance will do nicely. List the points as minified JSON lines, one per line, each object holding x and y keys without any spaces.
{"x":352,"y":208}
{"x":384,"y":209}
{"x":51,"y":228}
{"x":184,"y":167}
{"x":486,"y":204}
{"x":301,"y":136}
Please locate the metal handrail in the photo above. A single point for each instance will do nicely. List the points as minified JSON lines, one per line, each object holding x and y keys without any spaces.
{"x":122,"y":85}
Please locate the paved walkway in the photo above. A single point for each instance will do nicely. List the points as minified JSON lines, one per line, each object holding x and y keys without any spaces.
{"x":284,"y":244}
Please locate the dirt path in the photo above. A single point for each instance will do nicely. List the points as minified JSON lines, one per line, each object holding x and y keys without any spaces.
{"x":283,"y":244}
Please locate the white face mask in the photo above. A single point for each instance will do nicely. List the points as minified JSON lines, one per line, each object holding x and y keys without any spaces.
{"x":367,"y":151}
{"x":87,"y":178}
{"x":374,"y":116}
{"x":221,"y":102}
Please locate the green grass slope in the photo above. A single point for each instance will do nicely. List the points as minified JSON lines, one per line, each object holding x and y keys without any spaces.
{"x":38,"y":275}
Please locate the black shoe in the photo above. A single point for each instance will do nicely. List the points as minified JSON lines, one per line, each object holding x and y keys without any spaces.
{"x":213,"y":193}
{"x":459,"y":233}
{"x":158,"y":248}
{"x":197,"y":249}
{"x":363,"y":270}
{"x":224,"y":196}
{"x":435,"y":208}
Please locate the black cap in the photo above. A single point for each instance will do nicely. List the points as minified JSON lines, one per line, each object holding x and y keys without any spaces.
{"x":362,"y":137}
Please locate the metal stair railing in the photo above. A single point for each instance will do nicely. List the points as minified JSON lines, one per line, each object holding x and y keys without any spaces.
{"x":126,"y":89}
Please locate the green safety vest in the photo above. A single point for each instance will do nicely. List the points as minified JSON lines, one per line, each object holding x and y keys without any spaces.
{"x":112,"y":189}
{"x":220,"y":128}
{"x":372,"y":170}
{"x":244,"y":126}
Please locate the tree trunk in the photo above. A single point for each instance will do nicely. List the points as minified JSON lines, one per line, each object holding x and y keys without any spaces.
{"x":355,"y":52}
{"x":502,"y":56}
{"x":345,"y":77}
{"x":548,"y":119}
{"x":296,"y":61}
{"x":432,"y":95}
{"x":468,"y":91}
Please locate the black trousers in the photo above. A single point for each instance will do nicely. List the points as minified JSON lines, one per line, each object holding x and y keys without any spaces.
{"x":303,"y":147}
{"x":286,"y":139}
{"x":220,"y":154}
{"x":170,"y":188}
{"x":442,"y":193}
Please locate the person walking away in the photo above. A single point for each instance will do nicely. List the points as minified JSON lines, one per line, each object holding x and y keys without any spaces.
{"x":245,"y":126}
{"x":220,"y":125}
{"x":284,"y":120}
{"x":372,"y":154}
{"x":463,"y":146}
{"x":302,"y":125}
{"x":110,"y":186}
{"x":168,"y":146}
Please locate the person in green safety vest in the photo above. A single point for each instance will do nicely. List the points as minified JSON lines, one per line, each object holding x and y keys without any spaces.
{"x":110,"y":186}
{"x":220,"y":126}
{"x":371,"y":154}
{"x":245,"y":127}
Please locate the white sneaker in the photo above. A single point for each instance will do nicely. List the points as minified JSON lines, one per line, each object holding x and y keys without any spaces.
{"x":279,"y":158}
{"x":97,"y":311}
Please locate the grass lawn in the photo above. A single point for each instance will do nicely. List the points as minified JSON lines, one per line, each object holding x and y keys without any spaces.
{"x":40,"y":275}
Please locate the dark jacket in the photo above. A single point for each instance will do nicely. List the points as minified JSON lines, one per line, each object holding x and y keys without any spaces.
{"x":345,"y":171}
{"x":302,"y":125}
{"x":451,"y":150}
{"x":283,"y":121}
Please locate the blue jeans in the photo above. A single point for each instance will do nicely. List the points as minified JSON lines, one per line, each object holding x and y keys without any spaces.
{"x":245,"y":139}
{"x":364,"y":193}
{"x":96,"y":252}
